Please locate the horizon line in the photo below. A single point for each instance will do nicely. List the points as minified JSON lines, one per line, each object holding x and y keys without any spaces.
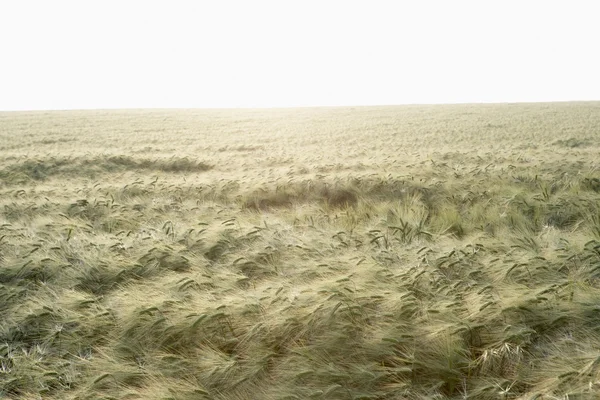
{"x":289,"y":107}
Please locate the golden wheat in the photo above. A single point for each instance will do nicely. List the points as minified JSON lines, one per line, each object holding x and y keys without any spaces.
{"x":410,"y":252}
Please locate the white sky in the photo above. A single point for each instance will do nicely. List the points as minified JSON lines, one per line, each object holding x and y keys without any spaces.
{"x":136,"y":54}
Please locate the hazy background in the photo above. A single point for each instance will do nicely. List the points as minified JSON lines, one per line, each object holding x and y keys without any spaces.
{"x":134,"y":54}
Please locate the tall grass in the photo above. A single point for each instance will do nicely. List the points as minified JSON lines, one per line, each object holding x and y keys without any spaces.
{"x":444,"y":255}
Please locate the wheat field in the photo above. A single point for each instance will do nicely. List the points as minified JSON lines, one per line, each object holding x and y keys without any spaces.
{"x":408,"y":252}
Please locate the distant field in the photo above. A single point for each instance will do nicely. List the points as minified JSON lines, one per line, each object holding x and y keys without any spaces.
{"x":410,"y":252}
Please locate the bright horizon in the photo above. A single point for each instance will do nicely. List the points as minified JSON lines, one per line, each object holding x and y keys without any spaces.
{"x":229,"y":54}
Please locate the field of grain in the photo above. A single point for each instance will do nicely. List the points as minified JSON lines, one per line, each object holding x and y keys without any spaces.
{"x":410,"y":252}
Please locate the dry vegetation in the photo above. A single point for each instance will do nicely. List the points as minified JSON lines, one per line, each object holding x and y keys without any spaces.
{"x":415,"y":252}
